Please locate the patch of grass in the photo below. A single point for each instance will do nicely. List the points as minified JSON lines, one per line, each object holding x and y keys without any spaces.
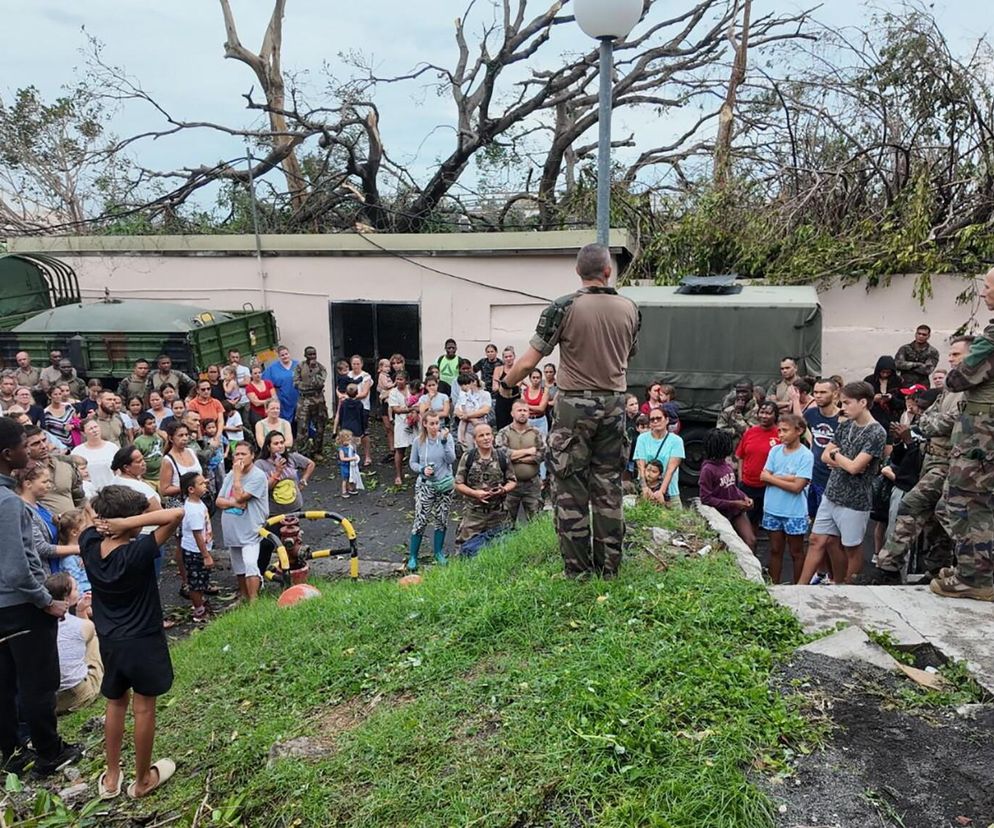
{"x":494,"y":693}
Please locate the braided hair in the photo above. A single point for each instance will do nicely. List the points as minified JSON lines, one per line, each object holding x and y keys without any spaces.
{"x":717,"y":445}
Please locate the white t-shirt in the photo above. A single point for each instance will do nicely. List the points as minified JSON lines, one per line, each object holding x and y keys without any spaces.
{"x":142,"y":488}
{"x":98,"y":462}
{"x":196,"y":519}
{"x":72,"y":652}
{"x":231,"y":420}
{"x":242,"y":376}
{"x":360,"y":379}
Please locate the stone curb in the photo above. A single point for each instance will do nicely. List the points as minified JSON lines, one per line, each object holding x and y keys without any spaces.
{"x":748,"y":563}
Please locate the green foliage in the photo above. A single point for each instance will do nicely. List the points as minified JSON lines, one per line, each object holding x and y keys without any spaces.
{"x":496,"y":692}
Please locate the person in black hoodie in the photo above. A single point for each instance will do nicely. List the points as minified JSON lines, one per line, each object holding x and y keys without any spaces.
{"x":888,"y":403}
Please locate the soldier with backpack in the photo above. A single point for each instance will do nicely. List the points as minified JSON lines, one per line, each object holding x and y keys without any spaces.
{"x":484,"y":478}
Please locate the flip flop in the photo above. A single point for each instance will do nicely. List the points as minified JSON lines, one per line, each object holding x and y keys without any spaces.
{"x":105,"y":792}
{"x":164,"y":768}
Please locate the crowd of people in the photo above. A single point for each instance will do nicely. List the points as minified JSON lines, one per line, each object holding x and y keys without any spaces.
{"x":95,"y":482}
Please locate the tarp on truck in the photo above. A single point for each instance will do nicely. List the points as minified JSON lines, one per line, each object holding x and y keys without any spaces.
{"x":702,"y":344}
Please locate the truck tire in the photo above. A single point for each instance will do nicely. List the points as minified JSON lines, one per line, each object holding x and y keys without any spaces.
{"x":693,"y":445}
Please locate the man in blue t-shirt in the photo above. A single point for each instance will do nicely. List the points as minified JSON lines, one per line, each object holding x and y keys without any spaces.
{"x":822,"y":422}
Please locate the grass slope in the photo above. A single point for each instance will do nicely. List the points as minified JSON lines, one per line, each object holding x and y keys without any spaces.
{"x":496,"y":693}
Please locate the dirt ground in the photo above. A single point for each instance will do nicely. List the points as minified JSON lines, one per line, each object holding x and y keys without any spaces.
{"x":884,"y":765}
{"x":381,"y":515}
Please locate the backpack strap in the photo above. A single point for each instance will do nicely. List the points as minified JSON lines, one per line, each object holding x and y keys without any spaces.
{"x":473,"y":454}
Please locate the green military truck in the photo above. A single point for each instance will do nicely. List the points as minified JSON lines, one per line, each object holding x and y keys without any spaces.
{"x":41,"y":310}
{"x":705,"y":335}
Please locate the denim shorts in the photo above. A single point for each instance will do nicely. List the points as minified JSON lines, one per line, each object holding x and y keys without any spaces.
{"x":789,"y":526}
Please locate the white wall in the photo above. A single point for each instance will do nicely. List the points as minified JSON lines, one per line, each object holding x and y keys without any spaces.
{"x":860,"y":325}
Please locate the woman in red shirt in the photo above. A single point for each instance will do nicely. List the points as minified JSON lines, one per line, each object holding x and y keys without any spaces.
{"x":751,"y":454}
{"x":259,"y":392}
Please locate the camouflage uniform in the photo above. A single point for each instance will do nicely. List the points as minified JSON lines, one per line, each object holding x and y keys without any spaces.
{"x":309,"y":381}
{"x":133,"y":387}
{"x":597,"y":332}
{"x":968,"y":494}
{"x":528,"y":492}
{"x":486,"y":473}
{"x":736,"y":422}
{"x":917,"y":512}
{"x":916,"y":364}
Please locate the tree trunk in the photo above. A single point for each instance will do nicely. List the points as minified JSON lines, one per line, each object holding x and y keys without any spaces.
{"x":726,"y":118}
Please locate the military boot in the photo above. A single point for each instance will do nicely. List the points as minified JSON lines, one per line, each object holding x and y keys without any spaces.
{"x":952,"y":587}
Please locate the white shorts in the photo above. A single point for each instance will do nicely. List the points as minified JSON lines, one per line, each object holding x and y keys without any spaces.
{"x":847,"y":524}
{"x":245,"y":560}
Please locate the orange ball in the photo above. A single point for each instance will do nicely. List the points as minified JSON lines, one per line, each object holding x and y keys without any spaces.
{"x":297,"y":593}
{"x":409,"y":581}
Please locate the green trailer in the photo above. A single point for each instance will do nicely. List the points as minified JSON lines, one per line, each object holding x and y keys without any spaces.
{"x":43,"y":312}
{"x":703,"y":337}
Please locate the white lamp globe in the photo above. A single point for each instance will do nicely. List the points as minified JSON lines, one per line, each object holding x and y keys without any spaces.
{"x":607,"y":19}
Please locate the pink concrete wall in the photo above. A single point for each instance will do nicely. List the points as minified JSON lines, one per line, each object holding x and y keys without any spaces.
{"x":861,"y":325}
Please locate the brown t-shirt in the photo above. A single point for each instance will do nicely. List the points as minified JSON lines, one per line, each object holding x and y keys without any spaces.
{"x":597,"y":332}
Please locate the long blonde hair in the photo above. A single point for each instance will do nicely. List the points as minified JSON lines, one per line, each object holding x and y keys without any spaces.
{"x":423,"y":436}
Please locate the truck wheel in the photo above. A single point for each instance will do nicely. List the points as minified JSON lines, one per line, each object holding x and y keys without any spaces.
{"x":693,"y":445}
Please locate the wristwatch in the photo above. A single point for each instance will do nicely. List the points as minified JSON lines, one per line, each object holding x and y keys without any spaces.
{"x":832,"y":455}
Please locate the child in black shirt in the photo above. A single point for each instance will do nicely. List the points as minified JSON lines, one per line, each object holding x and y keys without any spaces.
{"x":128,"y":617}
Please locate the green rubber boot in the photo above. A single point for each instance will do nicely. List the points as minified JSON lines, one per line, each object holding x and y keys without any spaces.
{"x":438,"y":542}
{"x":412,"y":555}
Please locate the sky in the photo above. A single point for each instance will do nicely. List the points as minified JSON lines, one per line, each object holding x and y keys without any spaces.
{"x":175,"y":50}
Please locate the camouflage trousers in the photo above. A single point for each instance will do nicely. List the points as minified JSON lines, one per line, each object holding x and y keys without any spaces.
{"x":587,"y":452}
{"x":968,"y":499}
{"x":312,"y":409}
{"x":527,"y":494}
{"x":478,"y":518}
{"x":917,"y":515}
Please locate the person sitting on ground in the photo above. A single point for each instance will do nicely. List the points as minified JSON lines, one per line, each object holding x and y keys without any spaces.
{"x":98,"y":453}
{"x":196,"y":541}
{"x":742,"y":413}
{"x":287,"y":474}
{"x":127,"y":614}
{"x":274,"y":422}
{"x":348,"y":458}
{"x":787,"y":473}
{"x":244,"y":497}
{"x":484,"y":478}
{"x":432,"y":456}
{"x":659,"y":443}
{"x":80,"y":667}
{"x":718,"y":487}
{"x":751,"y":454}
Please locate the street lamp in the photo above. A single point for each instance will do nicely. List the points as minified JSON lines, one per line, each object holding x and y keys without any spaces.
{"x":606,"y":21}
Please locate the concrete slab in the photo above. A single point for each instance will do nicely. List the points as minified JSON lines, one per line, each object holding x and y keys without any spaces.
{"x":852,"y":644}
{"x":959,"y":629}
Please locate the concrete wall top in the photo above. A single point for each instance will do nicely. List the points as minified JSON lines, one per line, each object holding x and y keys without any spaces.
{"x":326,"y":244}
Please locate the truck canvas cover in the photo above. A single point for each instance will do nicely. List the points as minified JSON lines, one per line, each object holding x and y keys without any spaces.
{"x":702,"y":344}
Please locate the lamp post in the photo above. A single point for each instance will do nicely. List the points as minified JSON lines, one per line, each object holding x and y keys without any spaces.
{"x":606,"y":21}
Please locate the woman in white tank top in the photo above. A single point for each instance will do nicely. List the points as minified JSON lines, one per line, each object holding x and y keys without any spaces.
{"x":177,"y":460}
